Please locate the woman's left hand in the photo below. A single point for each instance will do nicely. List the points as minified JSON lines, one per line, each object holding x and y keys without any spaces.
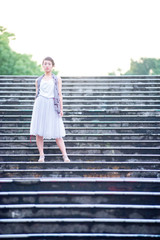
{"x":61,"y":113}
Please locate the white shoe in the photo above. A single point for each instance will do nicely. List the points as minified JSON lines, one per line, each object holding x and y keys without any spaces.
{"x":41,"y":158}
{"x":66,"y":159}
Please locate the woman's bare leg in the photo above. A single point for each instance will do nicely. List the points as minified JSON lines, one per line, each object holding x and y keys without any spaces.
{"x":62,"y":147}
{"x":39,"y":141}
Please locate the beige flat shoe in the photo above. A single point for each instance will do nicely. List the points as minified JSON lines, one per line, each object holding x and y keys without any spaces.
{"x":66,"y":159}
{"x":41,"y":158}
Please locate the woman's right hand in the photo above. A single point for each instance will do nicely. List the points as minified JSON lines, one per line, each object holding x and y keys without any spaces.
{"x":61,"y":113}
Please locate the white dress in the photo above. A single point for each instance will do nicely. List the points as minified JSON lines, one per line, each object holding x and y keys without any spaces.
{"x":45,"y":120}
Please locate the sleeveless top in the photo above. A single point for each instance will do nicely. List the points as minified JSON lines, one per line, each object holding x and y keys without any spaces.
{"x":47,"y":88}
{"x":56,"y":92}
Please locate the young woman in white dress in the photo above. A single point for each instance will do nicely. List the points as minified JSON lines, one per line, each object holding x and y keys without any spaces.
{"x":46,"y":122}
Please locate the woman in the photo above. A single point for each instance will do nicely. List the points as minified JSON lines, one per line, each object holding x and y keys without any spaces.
{"x":47,"y":113}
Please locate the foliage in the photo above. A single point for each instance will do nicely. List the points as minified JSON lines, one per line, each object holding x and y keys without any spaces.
{"x":145,"y":66}
{"x":112,"y":73}
{"x":12,"y":63}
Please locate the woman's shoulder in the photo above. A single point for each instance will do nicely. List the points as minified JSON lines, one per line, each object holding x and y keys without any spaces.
{"x":39,"y":78}
{"x":58,"y":77}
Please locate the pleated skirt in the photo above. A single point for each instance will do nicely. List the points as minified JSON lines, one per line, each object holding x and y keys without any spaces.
{"x":45,"y":121}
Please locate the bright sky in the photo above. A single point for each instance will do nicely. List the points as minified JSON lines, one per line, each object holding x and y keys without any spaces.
{"x":84,"y":37}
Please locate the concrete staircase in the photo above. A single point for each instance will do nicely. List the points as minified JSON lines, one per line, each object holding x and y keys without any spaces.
{"x":111,"y":188}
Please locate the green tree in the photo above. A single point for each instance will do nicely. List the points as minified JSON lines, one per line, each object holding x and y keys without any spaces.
{"x":12,"y":63}
{"x":145,"y":66}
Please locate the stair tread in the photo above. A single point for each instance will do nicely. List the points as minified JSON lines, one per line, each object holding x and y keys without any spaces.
{"x":74,"y":155}
{"x":69,"y":83}
{"x":83,"y":148}
{"x":87,"y":134}
{"x":83,"y":97}
{"x":86,"y":101}
{"x":125,"y":206}
{"x":84,"y":141}
{"x":79,"y":170}
{"x":88,"y":116}
{"x":84,"y":235}
{"x":32,"y":93}
{"x":90,"y":110}
{"x":80,"y":163}
{"x":85,"y":77}
{"x":78,"y":179}
{"x":88,"y":128}
{"x":88,"y":86}
{"x":88,"y":106}
{"x":91,"y":122}
{"x":126,"y":193}
{"x":103,"y":220}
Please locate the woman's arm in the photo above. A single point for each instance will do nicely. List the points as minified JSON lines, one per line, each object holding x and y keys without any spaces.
{"x":36,"y":85}
{"x":60,"y":95}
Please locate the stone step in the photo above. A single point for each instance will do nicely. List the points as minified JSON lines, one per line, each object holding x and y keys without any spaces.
{"x":88,"y":123}
{"x":118,"y":211}
{"x":121,"y":78}
{"x":91,"y":128}
{"x":83,"y":95}
{"x":86,"y":88}
{"x":87,"y":136}
{"x":67,"y":83}
{"x":94,"y":92}
{"x":120,"y":115}
{"x":146,"y":130}
{"x":112,"y":156}
{"x":84,"y":143}
{"x":79,"y":197}
{"x":79,"y":169}
{"x":56,"y":173}
{"x":79,"y":165}
{"x":80,"y":184}
{"x":85,"y":84}
{"x":89,"y":88}
{"x":85,"y":78}
{"x":90,"y":106}
{"x":123,"y":102}
{"x":114,"y":125}
{"x":87,"y":97}
{"x":80,"y":236}
{"x":114,"y":93}
{"x":90,"y":110}
{"x":83,"y":150}
{"x":85,"y":225}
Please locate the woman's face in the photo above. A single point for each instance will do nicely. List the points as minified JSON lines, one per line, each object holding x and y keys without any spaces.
{"x":47,"y":66}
